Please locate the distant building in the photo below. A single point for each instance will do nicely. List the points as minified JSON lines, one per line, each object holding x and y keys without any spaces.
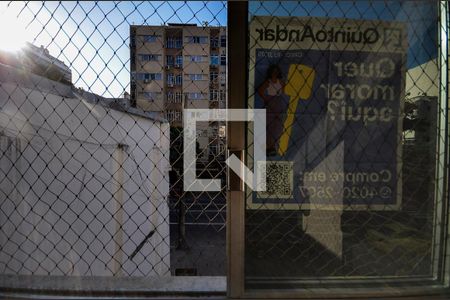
{"x":38,"y":60}
{"x":180,"y":65}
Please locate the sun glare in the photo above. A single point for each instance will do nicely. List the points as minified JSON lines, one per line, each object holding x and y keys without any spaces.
{"x":13,"y":35}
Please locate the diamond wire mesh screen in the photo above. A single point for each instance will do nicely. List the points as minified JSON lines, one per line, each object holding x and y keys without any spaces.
{"x":91,"y":138}
{"x":351,"y":91}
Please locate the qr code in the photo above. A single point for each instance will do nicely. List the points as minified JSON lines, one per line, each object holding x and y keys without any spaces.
{"x":279,"y":180}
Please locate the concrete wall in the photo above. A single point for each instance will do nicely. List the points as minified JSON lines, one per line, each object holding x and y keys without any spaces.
{"x":81,"y":186}
{"x":149,"y":48}
{"x":195,"y":49}
{"x":190,"y":67}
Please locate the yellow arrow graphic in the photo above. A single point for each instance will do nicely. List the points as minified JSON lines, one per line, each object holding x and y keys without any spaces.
{"x":299,"y":86}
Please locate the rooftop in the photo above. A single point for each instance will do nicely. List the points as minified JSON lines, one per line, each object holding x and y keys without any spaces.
{"x":9,"y":74}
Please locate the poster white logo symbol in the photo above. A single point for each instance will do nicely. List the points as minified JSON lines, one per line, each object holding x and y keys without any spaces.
{"x":255,"y":180}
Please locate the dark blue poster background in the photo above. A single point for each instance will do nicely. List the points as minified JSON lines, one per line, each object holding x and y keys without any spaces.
{"x":353,"y":110}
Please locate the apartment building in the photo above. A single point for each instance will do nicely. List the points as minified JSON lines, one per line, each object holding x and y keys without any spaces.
{"x":178,"y":66}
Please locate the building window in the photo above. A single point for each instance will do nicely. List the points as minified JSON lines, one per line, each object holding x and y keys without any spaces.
{"x":196,"y":77}
{"x":173,"y":115}
{"x":223,"y":60}
{"x":196,"y":58}
{"x":169,"y":60}
{"x":213,"y":76}
{"x":179,"y":80}
{"x":195,"y":96}
{"x":150,"y":38}
{"x":170,"y":78}
{"x":149,"y":57}
{"x":173,"y":42}
{"x":214,"y":59}
{"x":179,"y":60}
{"x":174,"y":80}
{"x":223,"y":41}
{"x":148,"y":76}
{"x":197,"y":39}
{"x":213,"y":95}
{"x":174,"y":97}
{"x":214,"y":41}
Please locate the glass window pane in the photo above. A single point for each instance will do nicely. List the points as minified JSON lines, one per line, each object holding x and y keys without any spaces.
{"x":351,"y":142}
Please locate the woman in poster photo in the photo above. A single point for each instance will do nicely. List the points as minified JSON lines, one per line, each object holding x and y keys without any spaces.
{"x":271,"y":93}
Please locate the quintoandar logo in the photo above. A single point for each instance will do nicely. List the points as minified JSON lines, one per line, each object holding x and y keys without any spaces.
{"x":254,"y":180}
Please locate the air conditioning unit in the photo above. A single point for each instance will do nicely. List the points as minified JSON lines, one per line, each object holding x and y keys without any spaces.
{"x":146,"y":80}
{"x":177,"y":66}
{"x":170,"y":84}
{"x":167,"y":67}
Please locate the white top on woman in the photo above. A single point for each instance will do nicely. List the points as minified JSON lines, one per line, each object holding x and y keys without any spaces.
{"x":274,"y":88}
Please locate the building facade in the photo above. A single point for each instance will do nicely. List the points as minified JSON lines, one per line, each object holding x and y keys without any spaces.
{"x":180,"y":66}
{"x":39,"y":61}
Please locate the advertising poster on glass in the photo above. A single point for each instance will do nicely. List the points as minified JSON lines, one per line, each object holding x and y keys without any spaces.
{"x":333,"y":92}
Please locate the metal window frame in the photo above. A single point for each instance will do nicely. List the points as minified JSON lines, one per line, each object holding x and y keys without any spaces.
{"x":179,"y":60}
{"x":410,"y":287}
{"x":215,"y":57}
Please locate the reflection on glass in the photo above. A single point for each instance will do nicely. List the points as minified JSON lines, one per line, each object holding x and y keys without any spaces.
{"x":351,"y":95}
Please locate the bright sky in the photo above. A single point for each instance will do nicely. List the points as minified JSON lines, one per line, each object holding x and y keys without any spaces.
{"x":93,"y":38}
